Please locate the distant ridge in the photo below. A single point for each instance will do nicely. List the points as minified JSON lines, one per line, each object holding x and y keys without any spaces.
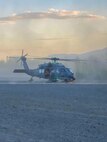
{"x":100,"y":54}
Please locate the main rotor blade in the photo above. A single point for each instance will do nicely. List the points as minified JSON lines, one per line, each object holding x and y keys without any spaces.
{"x":72,"y":60}
{"x":11,"y":57}
{"x":39,"y":58}
{"x":58,"y":59}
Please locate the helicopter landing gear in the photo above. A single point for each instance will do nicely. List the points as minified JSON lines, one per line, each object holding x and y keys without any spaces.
{"x":69,"y":80}
{"x":73,"y":78}
{"x":31,"y":79}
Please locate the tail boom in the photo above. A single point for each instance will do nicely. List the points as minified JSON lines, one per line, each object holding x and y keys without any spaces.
{"x":19,"y":71}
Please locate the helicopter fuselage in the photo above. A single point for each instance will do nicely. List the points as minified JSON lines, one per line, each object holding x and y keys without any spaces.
{"x":55,"y":71}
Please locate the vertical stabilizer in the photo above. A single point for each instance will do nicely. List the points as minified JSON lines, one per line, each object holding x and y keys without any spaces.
{"x":25,"y":65}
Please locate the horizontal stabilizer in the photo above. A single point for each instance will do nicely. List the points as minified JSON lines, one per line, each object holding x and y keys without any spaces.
{"x":19,"y":71}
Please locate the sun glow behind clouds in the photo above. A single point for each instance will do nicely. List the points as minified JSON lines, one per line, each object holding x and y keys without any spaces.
{"x":52,"y":32}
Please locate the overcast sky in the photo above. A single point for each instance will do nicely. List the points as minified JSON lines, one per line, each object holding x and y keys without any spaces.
{"x":43,"y":27}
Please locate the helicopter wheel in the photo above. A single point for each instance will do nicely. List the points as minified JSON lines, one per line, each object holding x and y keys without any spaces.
{"x":67,"y":80}
{"x":73,"y":78}
{"x":31,"y":79}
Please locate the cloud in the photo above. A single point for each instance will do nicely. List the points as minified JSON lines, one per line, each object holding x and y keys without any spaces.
{"x":51,"y":14}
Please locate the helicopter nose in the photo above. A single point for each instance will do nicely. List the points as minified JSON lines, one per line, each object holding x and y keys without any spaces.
{"x":72,"y":76}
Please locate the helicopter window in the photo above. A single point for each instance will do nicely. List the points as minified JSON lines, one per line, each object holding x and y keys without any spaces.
{"x":41,"y":71}
{"x":71,"y":70}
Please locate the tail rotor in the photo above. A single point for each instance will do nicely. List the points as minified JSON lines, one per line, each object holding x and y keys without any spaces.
{"x":22,"y":57}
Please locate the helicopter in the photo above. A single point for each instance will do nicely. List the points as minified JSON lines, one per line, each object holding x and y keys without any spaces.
{"x":53,"y":71}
